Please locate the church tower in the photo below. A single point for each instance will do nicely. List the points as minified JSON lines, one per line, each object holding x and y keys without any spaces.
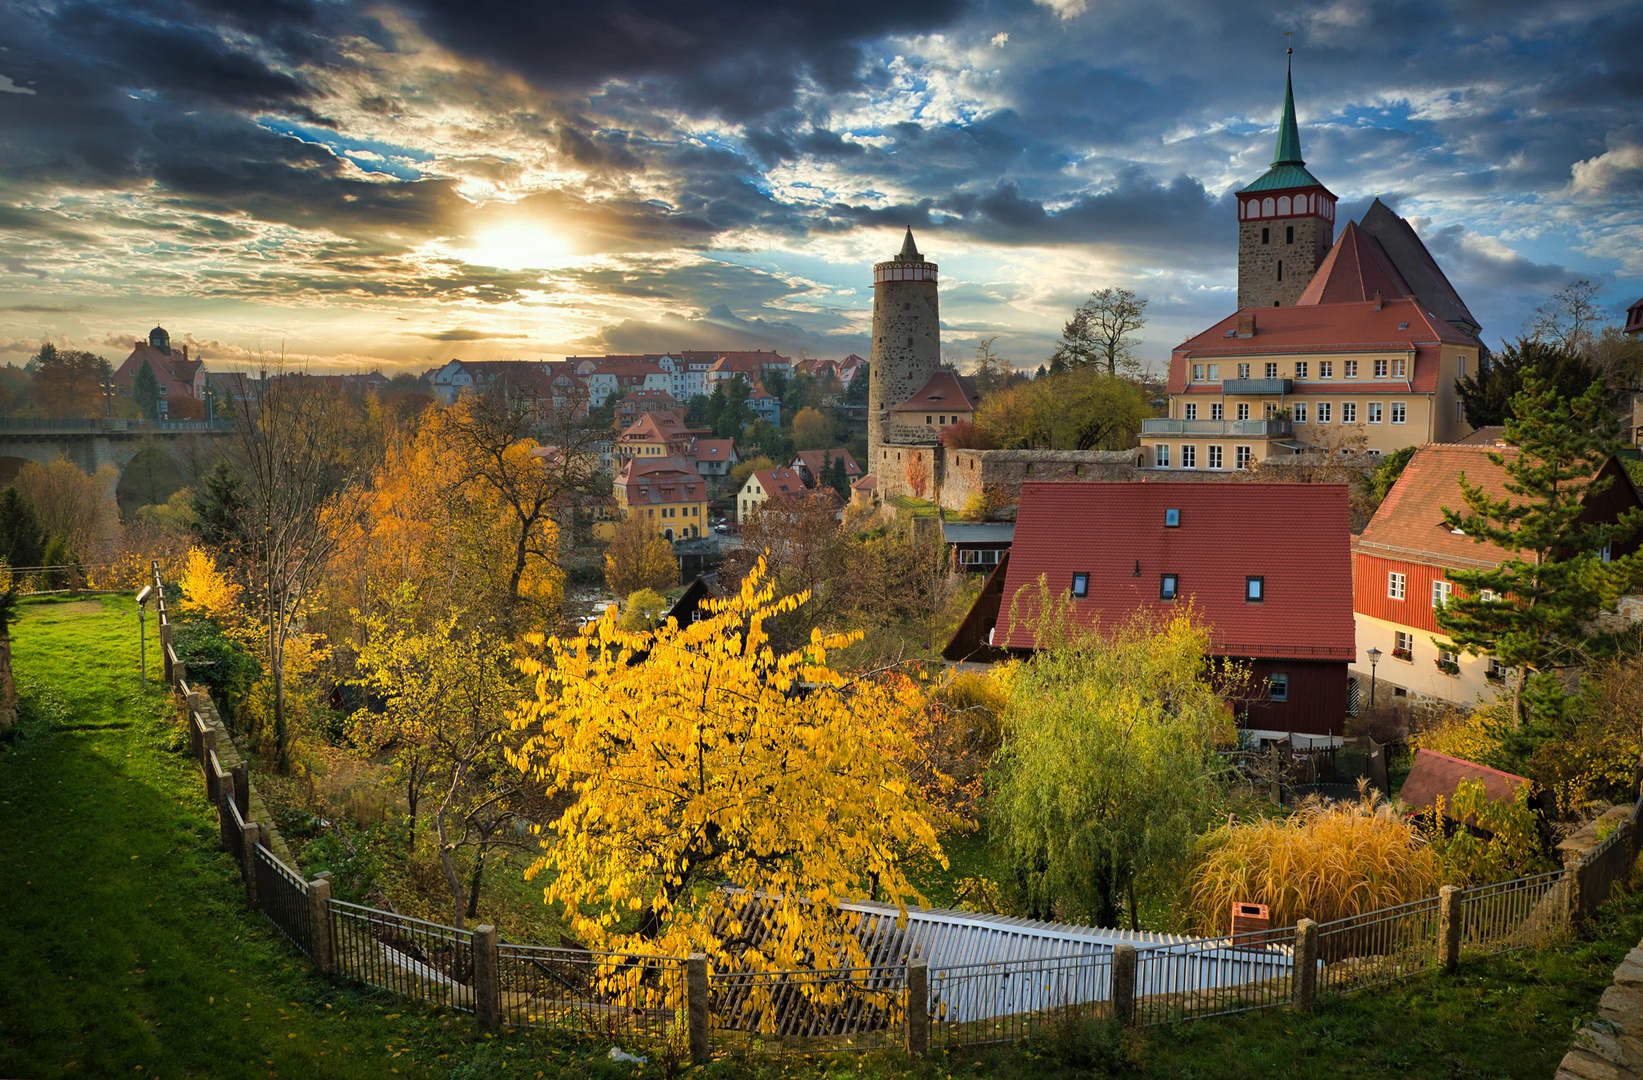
{"x":906,"y":340}
{"x":1286,"y":222}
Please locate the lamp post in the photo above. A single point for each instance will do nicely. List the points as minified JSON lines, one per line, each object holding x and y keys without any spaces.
{"x":142,"y":633}
{"x":1374,"y":658}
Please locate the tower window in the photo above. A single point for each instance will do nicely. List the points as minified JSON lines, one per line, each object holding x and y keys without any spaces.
{"x":909,"y":341}
{"x":1266,"y":236}
{"x":1289,"y":234}
{"x":1280,"y":270}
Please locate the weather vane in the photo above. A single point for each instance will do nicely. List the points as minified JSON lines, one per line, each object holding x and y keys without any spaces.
{"x":1289,"y":51}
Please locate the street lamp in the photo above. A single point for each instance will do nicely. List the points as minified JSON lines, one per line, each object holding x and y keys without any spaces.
{"x":142,"y":633}
{"x":1374,"y":658}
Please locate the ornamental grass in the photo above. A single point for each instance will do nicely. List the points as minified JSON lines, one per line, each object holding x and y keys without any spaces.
{"x":1323,"y":862}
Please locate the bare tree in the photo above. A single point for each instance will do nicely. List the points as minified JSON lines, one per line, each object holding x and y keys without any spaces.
{"x":299,"y":473}
{"x":1568,"y":319}
{"x":1100,"y":332}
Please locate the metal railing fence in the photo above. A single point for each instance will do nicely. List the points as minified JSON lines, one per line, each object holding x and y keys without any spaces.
{"x":283,"y":897}
{"x":418,"y":959}
{"x":802,"y":1011}
{"x":1604,"y":865}
{"x":1514,"y":914}
{"x":1378,"y":946}
{"x":603,"y":994}
{"x":1215,"y":976}
{"x":1006,"y":1001}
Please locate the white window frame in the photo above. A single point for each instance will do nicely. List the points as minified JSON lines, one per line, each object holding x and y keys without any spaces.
{"x":1243,"y":410}
{"x":1374,"y":411}
{"x":1189,"y":411}
{"x":1325,"y":411}
{"x":1381,"y":368}
{"x":1243,"y":371}
{"x":1272,"y":370}
{"x":1213,"y":457}
{"x":1399,"y":367}
{"x":1215,"y":373}
{"x":1243,"y":456}
{"x":1189,"y":456}
{"x":1215,"y":410}
{"x":1299,"y":410}
{"x":1400,"y":413}
{"x":1300,"y":369}
{"x":1349,"y":369}
{"x":1396,"y":585}
{"x":1441,"y":592}
{"x":1160,"y":456}
{"x":1349,"y":412}
{"x":1326,"y":369}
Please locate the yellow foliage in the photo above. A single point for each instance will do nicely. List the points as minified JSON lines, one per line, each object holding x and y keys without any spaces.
{"x":1514,"y":849}
{"x":1323,"y":862}
{"x":206,"y":590}
{"x":705,"y":763}
{"x":1461,"y":733}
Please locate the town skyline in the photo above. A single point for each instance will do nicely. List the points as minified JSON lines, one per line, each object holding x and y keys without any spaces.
{"x":398,"y":189}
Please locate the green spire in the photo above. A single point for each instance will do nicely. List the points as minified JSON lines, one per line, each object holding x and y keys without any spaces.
{"x":1289,"y":132}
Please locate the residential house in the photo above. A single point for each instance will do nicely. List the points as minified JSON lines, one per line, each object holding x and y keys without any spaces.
{"x":766,"y":407}
{"x":620,"y":376}
{"x":1276,"y":600}
{"x":978,"y":546}
{"x":1634,"y":321}
{"x":181,"y":381}
{"x":865,"y":492}
{"x":714,"y":458}
{"x":692,"y":604}
{"x":1401,"y":567}
{"x":763,"y":484}
{"x":654,"y":435}
{"x":810,"y":463}
{"x":639,"y":402}
{"x":668,"y":492}
{"x":946,"y":398}
{"x":748,"y":364}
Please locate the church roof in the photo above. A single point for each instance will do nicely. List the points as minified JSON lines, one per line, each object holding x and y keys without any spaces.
{"x":1426,"y":281}
{"x":944,"y":390}
{"x":1288,"y":167}
{"x":1355,"y":269}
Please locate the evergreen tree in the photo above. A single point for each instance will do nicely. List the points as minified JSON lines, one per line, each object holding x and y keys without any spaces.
{"x":696,"y":411}
{"x":834,"y":476}
{"x":22,"y":540}
{"x":146,"y":392}
{"x":736,"y":413}
{"x":1487,"y":396}
{"x":219,"y":508}
{"x":1556,"y":578}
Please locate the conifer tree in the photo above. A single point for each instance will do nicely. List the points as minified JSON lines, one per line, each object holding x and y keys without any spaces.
{"x":1540,"y":599}
{"x":146,"y":392}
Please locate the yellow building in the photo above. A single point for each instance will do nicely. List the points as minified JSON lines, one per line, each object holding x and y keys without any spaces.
{"x":656,"y":434}
{"x":668,"y":492}
{"x":1356,"y":364}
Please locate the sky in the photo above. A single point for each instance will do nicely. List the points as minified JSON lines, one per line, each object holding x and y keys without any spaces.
{"x":402,"y":182}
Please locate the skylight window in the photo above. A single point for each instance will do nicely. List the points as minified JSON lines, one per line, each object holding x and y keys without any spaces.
{"x":1168,"y":586}
{"x":1403,"y":326}
{"x":1254,"y":589}
{"x":1081,"y":585}
{"x":1172,"y":519}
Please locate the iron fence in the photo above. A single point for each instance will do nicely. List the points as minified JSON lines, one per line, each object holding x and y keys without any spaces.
{"x":1005,"y":1001}
{"x":802,"y":1011}
{"x":617,"y":996}
{"x":283,"y":897}
{"x":1510,"y":915}
{"x":421,"y":960}
{"x":1604,"y":865}
{"x":1215,"y":976}
{"x":1378,"y":946}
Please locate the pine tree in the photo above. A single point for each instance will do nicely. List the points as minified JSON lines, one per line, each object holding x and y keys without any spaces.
{"x":22,"y":540}
{"x":1543,"y":596}
{"x":146,"y":392}
{"x":834,"y":476}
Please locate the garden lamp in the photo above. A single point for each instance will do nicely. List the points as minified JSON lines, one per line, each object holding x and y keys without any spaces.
{"x":1374,"y":658}
{"x":142,"y":633}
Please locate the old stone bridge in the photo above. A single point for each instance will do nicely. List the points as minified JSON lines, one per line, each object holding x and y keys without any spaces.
{"x":94,"y":443}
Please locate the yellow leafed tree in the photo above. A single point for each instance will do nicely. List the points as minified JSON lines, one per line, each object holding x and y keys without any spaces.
{"x":207,"y":590}
{"x":698,"y":756}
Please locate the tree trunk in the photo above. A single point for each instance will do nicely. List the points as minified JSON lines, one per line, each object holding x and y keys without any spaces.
{"x":473,"y":883}
{"x":447,"y":862}
{"x":1135,"y":918}
{"x":8,"y":686}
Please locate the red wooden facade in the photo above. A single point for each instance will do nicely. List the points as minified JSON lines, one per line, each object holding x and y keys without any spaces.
{"x":1316,"y":703}
{"x":1369,"y":591}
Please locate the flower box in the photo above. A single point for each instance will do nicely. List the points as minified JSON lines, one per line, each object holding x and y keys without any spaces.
{"x":1403,"y":654}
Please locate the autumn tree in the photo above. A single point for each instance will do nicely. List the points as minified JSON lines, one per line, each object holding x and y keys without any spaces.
{"x":1100,"y":333}
{"x":796,"y":543}
{"x":918,"y":475}
{"x":811,"y":429}
{"x":1079,"y":409}
{"x":691,"y":759}
{"x":445,"y":693}
{"x":74,"y":506}
{"x":747,"y":467}
{"x":68,"y":382}
{"x":1531,"y":610}
{"x":991,"y":371}
{"x":639,"y":558}
{"x":1108,"y":770}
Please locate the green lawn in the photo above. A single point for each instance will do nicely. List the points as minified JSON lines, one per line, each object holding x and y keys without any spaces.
{"x":128,"y":950}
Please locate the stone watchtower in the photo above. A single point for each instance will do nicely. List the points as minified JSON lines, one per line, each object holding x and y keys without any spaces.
{"x":906,"y":339}
{"x":1286,"y":223}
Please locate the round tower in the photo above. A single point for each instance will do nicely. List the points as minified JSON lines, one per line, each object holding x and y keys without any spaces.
{"x":159,"y":339}
{"x":906,"y":339}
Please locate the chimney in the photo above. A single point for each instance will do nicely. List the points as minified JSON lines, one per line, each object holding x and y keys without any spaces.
{"x":1377,"y":300}
{"x":1246,"y":324}
{"x":1249,"y":921}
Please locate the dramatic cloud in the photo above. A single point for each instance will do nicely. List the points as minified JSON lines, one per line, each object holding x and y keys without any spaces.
{"x":373,"y":181}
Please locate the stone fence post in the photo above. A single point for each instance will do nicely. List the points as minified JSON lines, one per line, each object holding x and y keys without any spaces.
{"x":1123,"y":983}
{"x":1450,"y":918}
{"x":242,"y":786}
{"x":1577,"y":893}
{"x":1306,"y":965}
{"x":319,"y":895}
{"x":697,"y":1007}
{"x":487,"y":981}
{"x":249,"y":836}
{"x":918,"y":1008}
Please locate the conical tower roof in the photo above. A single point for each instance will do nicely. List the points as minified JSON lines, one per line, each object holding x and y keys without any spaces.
{"x":909,"y":250}
{"x":1288,"y":168}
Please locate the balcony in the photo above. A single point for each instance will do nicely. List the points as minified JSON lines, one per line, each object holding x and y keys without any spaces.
{"x":1258,"y":386}
{"x":1247,"y":429}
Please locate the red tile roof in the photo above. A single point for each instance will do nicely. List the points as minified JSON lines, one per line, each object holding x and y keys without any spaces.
{"x":944,"y":390}
{"x":655,"y":481}
{"x":1409,"y":522}
{"x":1432,"y":775}
{"x":779,"y":481}
{"x":1634,"y":319}
{"x":658,"y":426}
{"x":1401,"y":325}
{"x":1295,"y":536}
{"x":713,"y":450}
{"x":816,"y":460}
{"x":1354,"y":270}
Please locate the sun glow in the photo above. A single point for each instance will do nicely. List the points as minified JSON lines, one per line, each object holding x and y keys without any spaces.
{"x":517,"y":247}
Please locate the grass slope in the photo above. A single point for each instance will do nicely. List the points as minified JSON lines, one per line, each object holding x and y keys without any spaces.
{"x":128,"y":949}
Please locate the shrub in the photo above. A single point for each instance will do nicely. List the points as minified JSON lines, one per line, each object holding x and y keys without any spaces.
{"x":1513,"y":848}
{"x":645,"y":609}
{"x":220,"y":664}
{"x":1323,"y":862}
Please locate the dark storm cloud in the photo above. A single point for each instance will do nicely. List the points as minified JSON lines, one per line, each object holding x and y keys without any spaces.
{"x":738,"y":58}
